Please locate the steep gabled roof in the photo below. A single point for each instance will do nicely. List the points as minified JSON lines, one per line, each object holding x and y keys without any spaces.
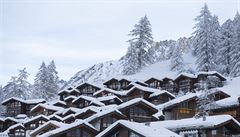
{"x":210,"y":73}
{"x":46,"y":125}
{"x":106,"y":98}
{"x":36,"y":118}
{"x":152,"y":79}
{"x":137,"y":101}
{"x":64,"y":128}
{"x":92,"y":100}
{"x":193,"y":123}
{"x":48,"y":107}
{"x":139,"y":128}
{"x":30,"y":101}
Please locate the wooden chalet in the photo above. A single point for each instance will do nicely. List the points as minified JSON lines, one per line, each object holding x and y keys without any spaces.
{"x":35,"y":122}
{"x":185,"y":82}
{"x":169,"y":85}
{"x":154,"y":83}
{"x":108,"y":100}
{"x":17,"y":130}
{"x":213,"y":126}
{"x":8,"y":122}
{"x":138,"y":110}
{"x":46,"y":127}
{"x":64,"y":93}
{"x":69,"y":100}
{"x":116,"y":84}
{"x":79,"y":128}
{"x":45,"y":109}
{"x":102,"y":120}
{"x":86,"y":112}
{"x":85,"y":101}
{"x":160,"y":97}
{"x":179,"y":108}
{"x":87,"y":89}
{"x":213,"y":78}
{"x":15,"y":106}
{"x":185,"y":106}
{"x":124,"y":128}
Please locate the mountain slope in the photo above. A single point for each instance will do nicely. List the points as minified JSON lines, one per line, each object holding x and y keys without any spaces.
{"x":161,"y":52}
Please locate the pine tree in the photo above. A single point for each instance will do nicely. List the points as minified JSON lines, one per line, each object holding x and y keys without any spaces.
{"x":205,"y":40}
{"x":139,"y":47}
{"x":235,"y":59}
{"x":225,"y":47}
{"x":52,"y":80}
{"x":41,"y":82}
{"x":18,"y":86}
{"x":177,"y":60}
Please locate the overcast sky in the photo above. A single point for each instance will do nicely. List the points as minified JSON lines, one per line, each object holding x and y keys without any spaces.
{"x":77,"y":34}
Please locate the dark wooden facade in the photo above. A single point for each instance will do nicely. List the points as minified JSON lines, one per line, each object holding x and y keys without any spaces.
{"x":46,"y":128}
{"x":35,"y":122}
{"x":154,"y":83}
{"x":213,"y":79}
{"x":139,"y":112}
{"x":116,"y":84}
{"x":160,"y":99}
{"x":105,"y":120}
{"x":77,"y":131}
{"x":184,"y":109}
{"x":169,"y":85}
{"x":185,"y":83}
{"x":87,"y":89}
{"x":17,"y":131}
{"x":15,"y":107}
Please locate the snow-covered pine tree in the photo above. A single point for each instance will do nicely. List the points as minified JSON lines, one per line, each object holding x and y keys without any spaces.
{"x":52,"y":80}
{"x":41,"y":82}
{"x":235,"y":59}
{"x":225,"y":47}
{"x":139,"y":47}
{"x":204,"y":40}
{"x":177,"y":63}
{"x":25,"y":88}
{"x":205,"y":100}
{"x":18,"y":86}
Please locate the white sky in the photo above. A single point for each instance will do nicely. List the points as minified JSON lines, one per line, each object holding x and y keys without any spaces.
{"x":78,"y":33}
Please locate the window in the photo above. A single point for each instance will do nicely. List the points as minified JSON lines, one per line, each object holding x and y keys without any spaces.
{"x":32,"y":126}
{"x":135,"y":111}
{"x":184,"y":108}
{"x":214,"y":132}
{"x":131,"y":134}
{"x":41,"y":122}
{"x":19,"y":133}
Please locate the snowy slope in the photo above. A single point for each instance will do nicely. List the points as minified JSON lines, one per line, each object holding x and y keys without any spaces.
{"x":161,"y":68}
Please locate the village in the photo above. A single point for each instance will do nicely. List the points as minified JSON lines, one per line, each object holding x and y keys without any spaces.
{"x":122,"y":107}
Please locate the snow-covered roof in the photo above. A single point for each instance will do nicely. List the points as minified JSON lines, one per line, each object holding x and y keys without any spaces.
{"x":11,"y":119}
{"x":15,"y":126}
{"x":211,"y":73}
{"x":227,"y":102}
{"x":177,"y":100}
{"x":48,"y":107}
{"x":69,"y":116}
{"x":30,"y":101}
{"x":103,"y":113}
{"x":70,"y":97}
{"x":193,"y":123}
{"x":232,"y":87}
{"x":56,"y":116}
{"x":66,"y":127}
{"x":88,"y":83}
{"x":121,"y":93}
{"x":106,"y":98}
{"x":51,"y":122}
{"x":91,"y":99}
{"x":141,"y":129}
{"x":159,"y":92}
{"x":35,"y":118}
{"x":185,"y":74}
{"x":135,"y":101}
